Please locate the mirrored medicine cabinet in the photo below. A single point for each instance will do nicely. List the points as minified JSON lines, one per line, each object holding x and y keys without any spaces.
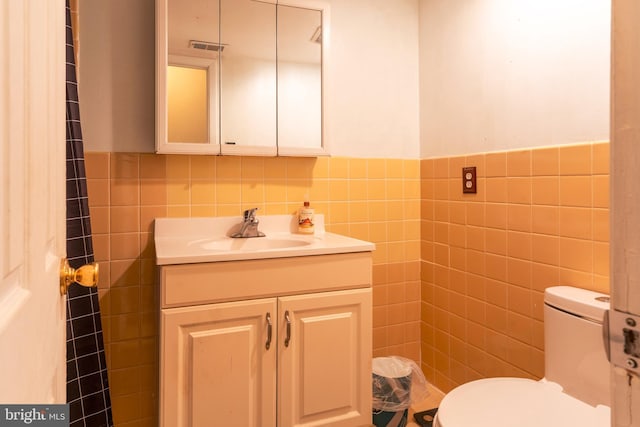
{"x":241,"y":77}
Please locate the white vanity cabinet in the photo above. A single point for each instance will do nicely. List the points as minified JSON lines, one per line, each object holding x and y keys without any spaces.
{"x":268,"y":342}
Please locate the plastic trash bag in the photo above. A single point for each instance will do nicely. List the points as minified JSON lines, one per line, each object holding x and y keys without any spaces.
{"x":397,"y":383}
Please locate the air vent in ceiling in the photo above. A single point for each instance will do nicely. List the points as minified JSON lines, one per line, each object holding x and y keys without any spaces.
{"x":212,"y":47}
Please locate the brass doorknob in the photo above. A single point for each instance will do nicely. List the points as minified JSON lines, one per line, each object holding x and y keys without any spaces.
{"x":87,"y":275}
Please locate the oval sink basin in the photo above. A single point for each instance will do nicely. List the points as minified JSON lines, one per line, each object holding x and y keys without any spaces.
{"x":249,"y":244}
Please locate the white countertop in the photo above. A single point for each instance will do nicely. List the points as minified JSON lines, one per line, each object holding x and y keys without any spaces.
{"x":198,"y":240}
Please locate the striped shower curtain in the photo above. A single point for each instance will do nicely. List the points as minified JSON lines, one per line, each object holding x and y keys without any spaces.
{"x":87,"y":382}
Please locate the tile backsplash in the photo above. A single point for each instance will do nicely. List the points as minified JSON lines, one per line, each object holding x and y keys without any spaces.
{"x":371,"y":199}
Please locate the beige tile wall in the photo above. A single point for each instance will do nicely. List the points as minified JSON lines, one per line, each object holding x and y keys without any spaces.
{"x":472,"y":306}
{"x":371,"y":199}
{"x":540,"y":218}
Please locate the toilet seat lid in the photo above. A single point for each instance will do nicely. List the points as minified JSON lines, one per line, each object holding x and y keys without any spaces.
{"x":518,"y":402}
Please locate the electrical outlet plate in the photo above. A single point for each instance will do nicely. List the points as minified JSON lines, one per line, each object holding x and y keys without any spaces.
{"x":469,"y":180}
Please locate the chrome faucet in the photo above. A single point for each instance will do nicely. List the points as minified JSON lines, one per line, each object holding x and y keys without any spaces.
{"x":249,"y":226}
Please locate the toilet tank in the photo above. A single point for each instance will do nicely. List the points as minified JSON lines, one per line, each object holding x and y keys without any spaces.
{"x":574,"y":352}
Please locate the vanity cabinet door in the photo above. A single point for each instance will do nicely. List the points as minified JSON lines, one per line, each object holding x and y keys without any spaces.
{"x":216,"y":368}
{"x":324,"y":369}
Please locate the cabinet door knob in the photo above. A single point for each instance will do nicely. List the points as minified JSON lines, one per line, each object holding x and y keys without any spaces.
{"x":287,"y":339}
{"x":269,"y":331}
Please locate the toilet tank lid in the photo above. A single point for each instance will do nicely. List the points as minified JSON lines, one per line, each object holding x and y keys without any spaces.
{"x":581,"y":302}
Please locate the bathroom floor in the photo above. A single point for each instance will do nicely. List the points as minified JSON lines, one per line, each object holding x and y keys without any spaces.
{"x":432,"y":401}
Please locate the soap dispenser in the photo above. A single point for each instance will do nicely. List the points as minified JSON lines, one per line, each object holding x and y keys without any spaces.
{"x":305,"y":218}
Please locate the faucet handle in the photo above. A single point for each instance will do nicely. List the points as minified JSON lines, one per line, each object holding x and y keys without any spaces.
{"x":250,"y":214}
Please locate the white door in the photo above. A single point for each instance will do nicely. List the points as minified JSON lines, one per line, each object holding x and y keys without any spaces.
{"x":625,"y":213}
{"x":32,"y":201}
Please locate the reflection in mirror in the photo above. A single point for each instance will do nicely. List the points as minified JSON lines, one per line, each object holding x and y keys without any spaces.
{"x":248,"y":77}
{"x":191,"y":100}
{"x":187,"y":104}
{"x":299,"y":78}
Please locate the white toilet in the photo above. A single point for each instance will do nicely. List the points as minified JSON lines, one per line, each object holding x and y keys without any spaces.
{"x":575,"y":390}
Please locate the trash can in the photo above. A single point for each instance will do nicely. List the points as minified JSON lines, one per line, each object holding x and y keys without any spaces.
{"x":391,"y":391}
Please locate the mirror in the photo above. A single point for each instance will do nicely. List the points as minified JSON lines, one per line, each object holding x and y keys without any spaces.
{"x":299,"y":79}
{"x":187,"y":77}
{"x":248,"y":79}
{"x":231,"y":81}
